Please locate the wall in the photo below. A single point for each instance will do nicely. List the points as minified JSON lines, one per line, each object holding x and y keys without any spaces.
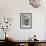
{"x":13,"y":8}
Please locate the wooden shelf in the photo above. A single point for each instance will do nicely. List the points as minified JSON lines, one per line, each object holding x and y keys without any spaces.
{"x":24,"y":42}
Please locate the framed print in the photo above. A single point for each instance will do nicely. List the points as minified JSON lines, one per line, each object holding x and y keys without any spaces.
{"x":26,"y":20}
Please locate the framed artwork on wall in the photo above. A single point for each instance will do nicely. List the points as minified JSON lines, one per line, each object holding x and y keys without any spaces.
{"x":25,"y":20}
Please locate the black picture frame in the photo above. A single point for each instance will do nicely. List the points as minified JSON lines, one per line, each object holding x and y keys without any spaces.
{"x":25,"y":20}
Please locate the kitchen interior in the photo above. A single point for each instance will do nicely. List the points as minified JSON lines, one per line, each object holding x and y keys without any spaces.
{"x":22,"y":23}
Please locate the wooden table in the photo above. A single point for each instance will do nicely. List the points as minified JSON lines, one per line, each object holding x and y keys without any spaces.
{"x":27,"y":43}
{"x":30,"y":43}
